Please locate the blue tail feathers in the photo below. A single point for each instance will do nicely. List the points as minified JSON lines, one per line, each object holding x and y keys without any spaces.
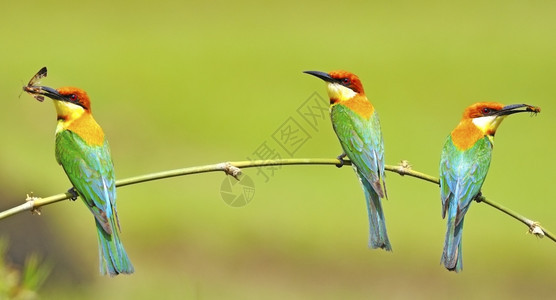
{"x":378,"y":237}
{"x":452,"y":254}
{"x":112,"y":255}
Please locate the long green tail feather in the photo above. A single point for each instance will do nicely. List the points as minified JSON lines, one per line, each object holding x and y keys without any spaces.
{"x":452,"y":256}
{"x":112,"y":255}
{"x":378,"y":237}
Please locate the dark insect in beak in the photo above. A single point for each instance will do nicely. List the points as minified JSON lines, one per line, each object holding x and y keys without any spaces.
{"x":517,"y":108}
{"x":32,"y":87}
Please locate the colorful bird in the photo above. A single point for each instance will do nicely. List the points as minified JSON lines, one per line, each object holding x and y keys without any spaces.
{"x":463,"y":168}
{"x":83,"y":152}
{"x":356,"y":124}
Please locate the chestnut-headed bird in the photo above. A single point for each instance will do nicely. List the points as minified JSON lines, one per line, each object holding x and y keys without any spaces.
{"x":463,"y":168}
{"x":356,"y":124}
{"x":83,"y":152}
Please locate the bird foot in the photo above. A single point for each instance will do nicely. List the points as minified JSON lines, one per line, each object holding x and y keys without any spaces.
{"x":73,"y":193}
{"x":479,"y":198}
{"x":341,"y":159}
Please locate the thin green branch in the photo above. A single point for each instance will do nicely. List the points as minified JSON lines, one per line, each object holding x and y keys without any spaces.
{"x":234,"y":169}
{"x":534,"y":227}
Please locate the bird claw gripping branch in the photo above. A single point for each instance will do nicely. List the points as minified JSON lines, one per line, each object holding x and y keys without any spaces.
{"x":341,"y":159}
{"x":73,"y":194}
{"x":479,"y":198}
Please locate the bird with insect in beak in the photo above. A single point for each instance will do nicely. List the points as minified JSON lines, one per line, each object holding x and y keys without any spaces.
{"x":82,"y":150}
{"x":463,"y":168}
{"x":356,"y":124}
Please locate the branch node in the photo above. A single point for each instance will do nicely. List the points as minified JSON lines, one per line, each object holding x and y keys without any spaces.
{"x":536,"y":230}
{"x":403,"y":167}
{"x":30,"y":198}
{"x":231,"y":170}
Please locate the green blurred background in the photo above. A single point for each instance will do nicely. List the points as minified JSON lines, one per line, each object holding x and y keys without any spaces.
{"x":177,"y":84}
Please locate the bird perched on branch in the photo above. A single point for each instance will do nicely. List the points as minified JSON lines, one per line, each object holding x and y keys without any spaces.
{"x":356,"y":124}
{"x":463,"y":168}
{"x":83,"y":152}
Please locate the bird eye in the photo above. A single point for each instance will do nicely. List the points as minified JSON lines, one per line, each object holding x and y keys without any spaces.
{"x":73,"y":97}
{"x":486,"y":110}
{"x":345,"y":81}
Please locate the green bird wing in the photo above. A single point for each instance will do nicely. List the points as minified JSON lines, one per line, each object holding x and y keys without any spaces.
{"x":361,"y":140}
{"x":91,"y":172}
{"x":462,"y":174}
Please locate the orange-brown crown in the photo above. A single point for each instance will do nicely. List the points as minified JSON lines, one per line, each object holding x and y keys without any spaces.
{"x":481,"y":109}
{"x":76,"y":96}
{"x":349,"y":80}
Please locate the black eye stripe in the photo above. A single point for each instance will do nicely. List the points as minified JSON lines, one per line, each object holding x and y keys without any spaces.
{"x":486,"y":111}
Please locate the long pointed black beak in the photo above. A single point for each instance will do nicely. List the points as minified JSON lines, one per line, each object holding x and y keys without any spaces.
{"x":321,"y":75}
{"x":517,"y":108}
{"x":44,"y":91}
